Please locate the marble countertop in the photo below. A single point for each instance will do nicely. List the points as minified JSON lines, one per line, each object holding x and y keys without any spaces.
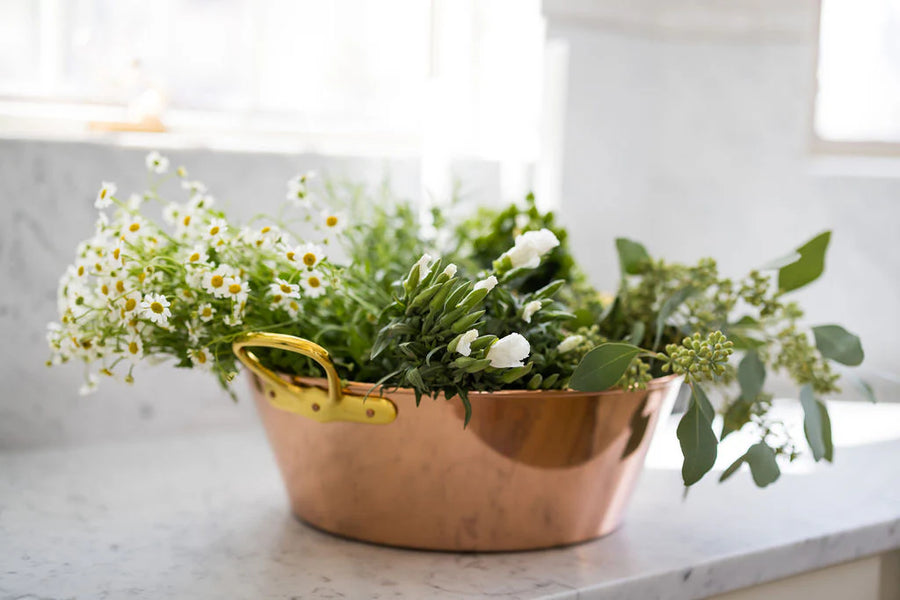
{"x":206,"y":517}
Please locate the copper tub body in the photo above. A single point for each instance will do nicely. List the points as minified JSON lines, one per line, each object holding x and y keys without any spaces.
{"x":533,"y":469}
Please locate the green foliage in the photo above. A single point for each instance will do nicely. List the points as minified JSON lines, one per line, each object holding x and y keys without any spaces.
{"x":808,"y":267}
{"x":696,"y":436}
{"x":603,"y":366}
{"x":816,"y":425}
{"x":837,"y":344}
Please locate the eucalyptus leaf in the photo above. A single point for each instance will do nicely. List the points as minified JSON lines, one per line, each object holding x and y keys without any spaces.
{"x":816,"y":425}
{"x":864,"y":388}
{"x":751,"y":376}
{"x":732,"y":468}
{"x":737,"y":415}
{"x":838,"y":344}
{"x":603,"y":366}
{"x":763,"y":466}
{"x":631,"y":256}
{"x":808,"y":267}
{"x":670,"y":306}
{"x":698,"y":442}
{"x":637,"y":333}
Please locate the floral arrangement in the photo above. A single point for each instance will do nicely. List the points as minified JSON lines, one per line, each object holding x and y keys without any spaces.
{"x":494,"y":301}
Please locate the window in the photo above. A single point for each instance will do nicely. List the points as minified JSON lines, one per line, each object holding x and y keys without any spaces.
{"x":462,"y":74}
{"x":858,"y":96}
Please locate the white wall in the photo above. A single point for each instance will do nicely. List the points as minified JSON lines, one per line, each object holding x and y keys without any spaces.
{"x":687,"y":126}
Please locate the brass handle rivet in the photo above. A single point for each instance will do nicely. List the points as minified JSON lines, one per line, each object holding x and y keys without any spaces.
{"x":370,"y":413}
{"x":315,"y":407}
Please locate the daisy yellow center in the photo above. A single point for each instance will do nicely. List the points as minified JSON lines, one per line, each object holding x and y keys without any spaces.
{"x":207,"y":311}
{"x":314,"y":282}
{"x":216,"y":281}
{"x":331,"y":221}
{"x":286,"y":288}
{"x":290,"y":255}
{"x":265,"y":229}
{"x":234,"y":288}
{"x":103,"y":193}
{"x":133,"y":347}
{"x":120,"y":286}
{"x":116,"y":253}
{"x":134,"y":227}
{"x":295,"y":306}
{"x":214,"y":230}
{"x":201,"y":357}
{"x":186,"y":220}
{"x":81,"y":270}
{"x":194,"y":257}
{"x":309,"y":259}
{"x":276,"y":298}
{"x":130,"y":304}
{"x":156,"y":307}
{"x":104,"y":289}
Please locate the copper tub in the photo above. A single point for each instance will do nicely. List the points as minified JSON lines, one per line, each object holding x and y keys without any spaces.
{"x":534,"y":469}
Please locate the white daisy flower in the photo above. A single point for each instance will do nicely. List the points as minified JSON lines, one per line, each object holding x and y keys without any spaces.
{"x":334,"y":221}
{"x":216,"y":229}
{"x":181,"y":172}
{"x":529,"y":310}
{"x":236,"y":289}
{"x":134,"y":201}
{"x":194,"y":187}
{"x":509,"y":351}
{"x":297,"y":189}
{"x":105,"y":195}
{"x":171,"y":212}
{"x":134,"y":348}
{"x":155,"y":307}
{"x":464,"y":345}
{"x":89,"y":386}
{"x":486,"y":284}
{"x":130,"y":304}
{"x":201,"y":202}
{"x":196,"y":256}
{"x":284,"y":289}
{"x":157,"y":163}
{"x":133,"y":228}
{"x":313,"y":284}
{"x":308,"y":254}
{"x":570,"y":343}
{"x":201,"y":358}
{"x":206,"y":312}
{"x":214,"y":281}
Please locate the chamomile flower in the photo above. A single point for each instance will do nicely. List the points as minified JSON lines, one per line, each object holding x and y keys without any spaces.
{"x":309,"y":255}
{"x":214,"y":281}
{"x":200,"y":357}
{"x":201,"y":201}
{"x":313,"y":284}
{"x":215,"y":230}
{"x":297,"y":189}
{"x":155,"y":307}
{"x":105,"y":195}
{"x":334,"y":222}
{"x":134,"y":348}
{"x":206,"y":312}
{"x":129,"y":304}
{"x":89,"y":386}
{"x":134,"y":201}
{"x":194,"y":187}
{"x":236,"y":289}
{"x":284,"y":289}
{"x":157,"y":163}
{"x":133,"y":228}
{"x":196,"y":256}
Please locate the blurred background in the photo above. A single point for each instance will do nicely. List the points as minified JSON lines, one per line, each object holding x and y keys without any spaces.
{"x":733,"y":129}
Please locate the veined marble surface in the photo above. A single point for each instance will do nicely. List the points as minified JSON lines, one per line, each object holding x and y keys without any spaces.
{"x":205,"y":517}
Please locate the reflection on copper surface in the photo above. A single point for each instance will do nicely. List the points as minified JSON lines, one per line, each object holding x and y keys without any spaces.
{"x":532,"y":470}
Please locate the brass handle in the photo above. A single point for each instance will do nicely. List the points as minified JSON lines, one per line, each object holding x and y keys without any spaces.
{"x":333,"y":405}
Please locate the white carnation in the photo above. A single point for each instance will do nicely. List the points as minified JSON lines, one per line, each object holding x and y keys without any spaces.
{"x":450,"y":270}
{"x":486,"y":284}
{"x":464,"y":345}
{"x":530,"y":247}
{"x":424,"y":264}
{"x":529,"y":310}
{"x":509,"y":351}
{"x":570,"y":343}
